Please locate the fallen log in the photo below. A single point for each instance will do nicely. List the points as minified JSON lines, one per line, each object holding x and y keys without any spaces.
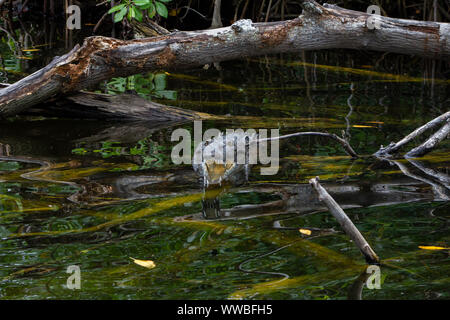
{"x":345,"y":222}
{"x":318,"y":27}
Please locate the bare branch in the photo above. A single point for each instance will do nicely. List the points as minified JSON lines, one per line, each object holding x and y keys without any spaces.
{"x":395,"y":146}
{"x":345,"y":222}
{"x":343,"y":142}
{"x":431,"y":143}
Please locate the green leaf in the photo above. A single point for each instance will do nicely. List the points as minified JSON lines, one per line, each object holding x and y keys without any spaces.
{"x":161,"y":9}
{"x":138,"y":14}
{"x":116,"y":8}
{"x":165,"y":1}
{"x":119,"y":16}
{"x":130,"y":13}
{"x":160,"y":81}
{"x":146,"y":6}
{"x":166,"y":94}
{"x":141,"y":2}
{"x":151,"y":11}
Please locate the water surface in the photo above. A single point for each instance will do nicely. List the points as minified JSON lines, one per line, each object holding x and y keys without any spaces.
{"x":95,"y":193}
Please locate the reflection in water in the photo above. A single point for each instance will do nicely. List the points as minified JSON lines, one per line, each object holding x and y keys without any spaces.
{"x":301,"y":198}
{"x":356,"y":289}
{"x":428,"y":176}
{"x":211,"y":205}
{"x":94,"y":193}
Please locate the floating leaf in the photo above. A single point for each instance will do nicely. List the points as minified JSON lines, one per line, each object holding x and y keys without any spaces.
{"x":433,"y":248}
{"x":144,"y":263}
{"x":305,"y":231}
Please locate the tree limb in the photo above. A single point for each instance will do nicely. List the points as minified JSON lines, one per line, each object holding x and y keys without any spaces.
{"x":395,"y":146}
{"x":345,"y":222}
{"x":343,"y":142}
{"x":431,"y":143}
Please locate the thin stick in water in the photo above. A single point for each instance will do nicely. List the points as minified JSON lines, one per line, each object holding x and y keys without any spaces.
{"x":345,"y":222}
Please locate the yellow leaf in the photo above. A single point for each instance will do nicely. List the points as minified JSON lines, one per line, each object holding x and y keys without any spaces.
{"x":433,"y":248}
{"x":361,"y":126}
{"x":144,"y":263}
{"x":305,"y":231}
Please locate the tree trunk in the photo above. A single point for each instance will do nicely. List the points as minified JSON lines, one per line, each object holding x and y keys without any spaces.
{"x":319,"y":27}
{"x":216,"y":19}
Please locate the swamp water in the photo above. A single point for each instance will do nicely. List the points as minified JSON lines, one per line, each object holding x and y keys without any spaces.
{"x":95,"y":193}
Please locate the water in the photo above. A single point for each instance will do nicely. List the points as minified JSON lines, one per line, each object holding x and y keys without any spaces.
{"x":96,"y":194}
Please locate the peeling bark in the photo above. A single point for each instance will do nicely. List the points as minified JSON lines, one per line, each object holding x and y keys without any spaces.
{"x":319,"y":27}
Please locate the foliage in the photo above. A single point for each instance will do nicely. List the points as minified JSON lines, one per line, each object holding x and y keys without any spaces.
{"x":147,"y":86}
{"x":136,"y":9}
{"x":150,"y":153}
